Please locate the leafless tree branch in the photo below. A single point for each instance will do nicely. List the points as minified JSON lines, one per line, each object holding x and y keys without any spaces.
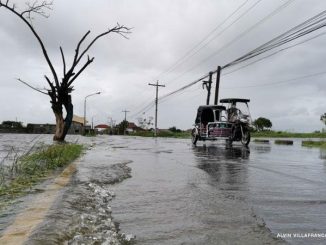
{"x":28,"y":85}
{"x":25,"y":20}
{"x":89,"y":60}
{"x":122,"y":30}
{"x":37,"y":8}
{"x":63,"y":61}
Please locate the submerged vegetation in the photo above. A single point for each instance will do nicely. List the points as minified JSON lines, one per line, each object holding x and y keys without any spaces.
{"x":27,"y":170}
{"x":283,"y":142}
{"x":283,"y":134}
{"x":310,"y":143}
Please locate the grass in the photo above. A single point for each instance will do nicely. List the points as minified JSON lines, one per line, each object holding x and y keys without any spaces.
{"x":282,"y":134}
{"x":310,"y":143}
{"x":261,"y":141}
{"x":30,"y":169}
{"x":283,"y":142}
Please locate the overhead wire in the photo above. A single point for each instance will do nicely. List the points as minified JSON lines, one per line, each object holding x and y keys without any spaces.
{"x":273,"y":13}
{"x":274,"y":53}
{"x":189,"y":54}
{"x":290,"y":35}
{"x":285,"y":81}
{"x":248,"y":30}
{"x":313,"y":24}
{"x":198,"y":45}
{"x":264,"y":45}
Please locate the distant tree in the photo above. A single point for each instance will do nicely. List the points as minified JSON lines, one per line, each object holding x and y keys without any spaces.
{"x":175,"y":130}
{"x":11,"y":124}
{"x":145,"y":123}
{"x":122,"y":126}
{"x":323,"y":118}
{"x":59,"y":89}
{"x":261,"y":123}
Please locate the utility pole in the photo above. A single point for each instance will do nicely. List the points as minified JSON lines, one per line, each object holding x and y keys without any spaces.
{"x":208,"y":87}
{"x":156,"y":102}
{"x":217,"y":87}
{"x":125,"y":111}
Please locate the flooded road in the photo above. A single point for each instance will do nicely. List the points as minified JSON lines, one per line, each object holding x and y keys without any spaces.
{"x":180,"y":194}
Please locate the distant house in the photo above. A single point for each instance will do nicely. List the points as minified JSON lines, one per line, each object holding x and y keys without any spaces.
{"x":34,"y":128}
{"x":77,"y":125}
{"x":102,"y":127}
{"x":132,"y":127}
{"x":75,"y":128}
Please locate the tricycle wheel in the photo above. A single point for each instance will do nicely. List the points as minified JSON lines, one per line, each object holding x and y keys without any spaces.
{"x":194,"y":136}
{"x":245,"y":139}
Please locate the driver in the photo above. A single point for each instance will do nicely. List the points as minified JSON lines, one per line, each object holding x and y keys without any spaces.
{"x":233,"y":113}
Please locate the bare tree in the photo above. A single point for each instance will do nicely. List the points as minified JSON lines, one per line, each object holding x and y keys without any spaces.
{"x":323,"y":118}
{"x":60,"y":90}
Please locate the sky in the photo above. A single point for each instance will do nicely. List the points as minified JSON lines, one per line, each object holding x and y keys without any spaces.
{"x":163,"y":32}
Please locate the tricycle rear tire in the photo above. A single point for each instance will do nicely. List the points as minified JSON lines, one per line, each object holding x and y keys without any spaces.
{"x":194,"y":136}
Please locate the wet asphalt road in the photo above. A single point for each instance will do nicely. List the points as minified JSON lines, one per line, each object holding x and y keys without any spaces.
{"x":181,"y":194}
{"x":209,"y":194}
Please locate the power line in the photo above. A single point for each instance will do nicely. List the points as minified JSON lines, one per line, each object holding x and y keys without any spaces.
{"x":280,"y":81}
{"x":274,"y":53}
{"x":293,"y":30}
{"x":277,"y":10}
{"x":313,"y":24}
{"x":188,"y":54}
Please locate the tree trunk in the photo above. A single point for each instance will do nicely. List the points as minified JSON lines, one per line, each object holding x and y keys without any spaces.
{"x":59,"y":127}
{"x":70,"y":112}
{"x":62,"y":125}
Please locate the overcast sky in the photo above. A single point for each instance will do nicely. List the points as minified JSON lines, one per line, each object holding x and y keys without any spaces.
{"x":163,"y":32}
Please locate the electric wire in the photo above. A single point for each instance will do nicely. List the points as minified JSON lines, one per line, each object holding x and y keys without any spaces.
{"x":311,"y":25}
{"x":273,"y":13}
{"x":185,"y":57}
{"x":189,"y":54}
{"x":274,"y":53}
{"x":280,"y":82}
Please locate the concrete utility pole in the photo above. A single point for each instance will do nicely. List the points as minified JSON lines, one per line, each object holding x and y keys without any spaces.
{"x":125,"y":111}
{"x":208,"y":87}
{"x":156,"y":102}
{"x":218,"y":75}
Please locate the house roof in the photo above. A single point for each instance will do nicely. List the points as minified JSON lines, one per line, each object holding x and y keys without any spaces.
{"x":132,"y":125}
{"x":78,"y":119}
{"x":102,"y":126}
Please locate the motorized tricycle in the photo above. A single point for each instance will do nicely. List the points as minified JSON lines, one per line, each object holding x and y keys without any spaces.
{"x":214,"y":122}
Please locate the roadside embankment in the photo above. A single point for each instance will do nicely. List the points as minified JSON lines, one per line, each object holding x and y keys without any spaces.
{"x":23,"y":172}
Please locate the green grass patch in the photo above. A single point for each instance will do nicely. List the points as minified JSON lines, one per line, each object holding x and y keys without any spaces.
{"x":283,"y":142}
{"x":263,"y":141}
{"x":30,"y":169}
{"x":310,"y":143}
{"x":282,"y":134}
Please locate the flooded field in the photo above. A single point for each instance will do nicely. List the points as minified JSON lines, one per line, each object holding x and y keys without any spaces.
{"x":166,"y":191}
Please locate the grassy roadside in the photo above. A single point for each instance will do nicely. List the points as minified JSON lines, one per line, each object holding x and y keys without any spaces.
{"x":30,"y":169}
{"x":260,"y":134}
{"x":281,"y":134}
{"x":309,"y":143}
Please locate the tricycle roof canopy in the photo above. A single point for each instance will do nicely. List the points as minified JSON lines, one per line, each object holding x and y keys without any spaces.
{"x":213,"y":107}
{"x":234,"y":100}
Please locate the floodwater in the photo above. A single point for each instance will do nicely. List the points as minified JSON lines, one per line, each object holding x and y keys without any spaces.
{"x":166,"y":191}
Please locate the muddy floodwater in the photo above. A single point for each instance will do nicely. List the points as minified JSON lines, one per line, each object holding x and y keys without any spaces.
{"x":166,"y":191}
